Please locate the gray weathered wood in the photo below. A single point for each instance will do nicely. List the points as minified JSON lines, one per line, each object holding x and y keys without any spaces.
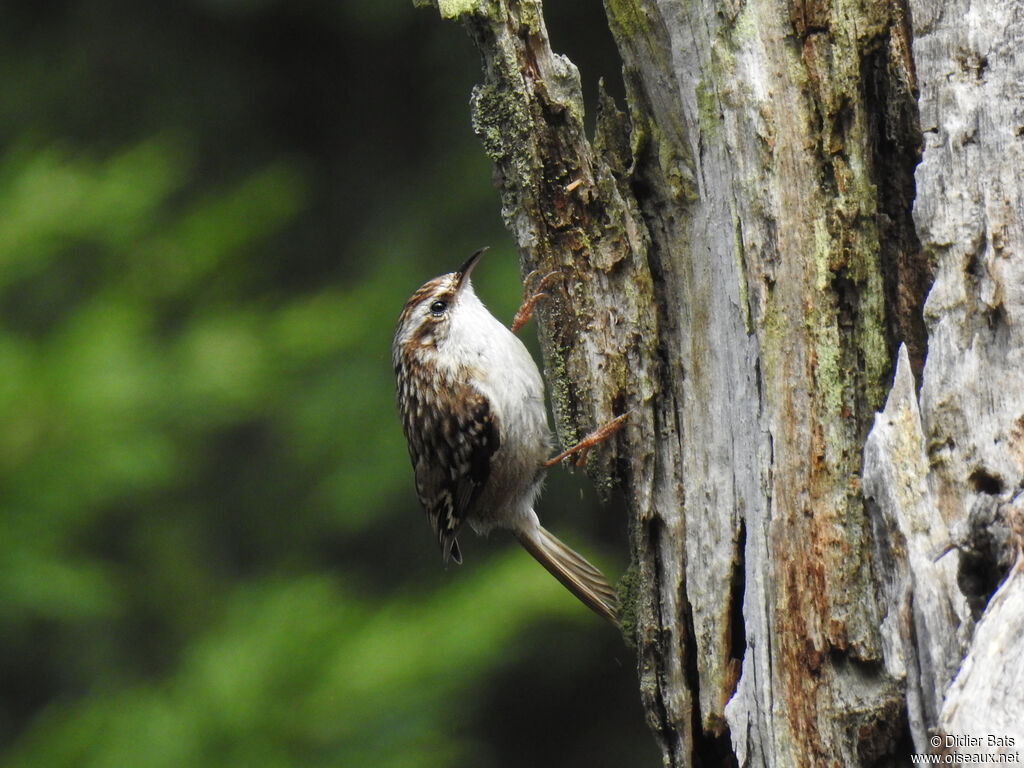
{"x":926,"y":623}
{"x":945,"y":467}
{"x":986,"y":701}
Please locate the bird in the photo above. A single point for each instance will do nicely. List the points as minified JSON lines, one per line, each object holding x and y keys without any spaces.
{"x":471,"y":400}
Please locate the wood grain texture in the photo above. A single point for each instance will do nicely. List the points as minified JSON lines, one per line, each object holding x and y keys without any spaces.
{"x":944,"y":466}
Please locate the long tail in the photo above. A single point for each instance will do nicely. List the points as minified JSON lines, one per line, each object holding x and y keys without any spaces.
{"x":575,"y":573}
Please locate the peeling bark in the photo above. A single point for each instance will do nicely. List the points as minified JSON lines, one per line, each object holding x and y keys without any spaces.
{"x":741,"y":264}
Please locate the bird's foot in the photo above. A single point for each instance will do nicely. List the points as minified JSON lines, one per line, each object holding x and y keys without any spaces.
{"x":531,"y":297}
{"x":583,"y":447}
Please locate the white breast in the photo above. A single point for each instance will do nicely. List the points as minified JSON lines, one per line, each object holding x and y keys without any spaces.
{"x":504,"y":372}
{"x":503,"y":369}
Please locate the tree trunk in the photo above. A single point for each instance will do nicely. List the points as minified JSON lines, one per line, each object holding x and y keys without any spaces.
{"x":741,"y":266}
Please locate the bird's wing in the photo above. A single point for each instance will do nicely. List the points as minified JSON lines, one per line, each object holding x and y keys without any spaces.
{"x":455,"y":463}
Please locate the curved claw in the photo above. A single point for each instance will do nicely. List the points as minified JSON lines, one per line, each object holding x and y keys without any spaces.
{"x":583,"y":447}
{"x":525,"y":311}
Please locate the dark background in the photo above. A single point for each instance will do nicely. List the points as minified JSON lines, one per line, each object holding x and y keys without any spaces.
{"x":211,"y":213}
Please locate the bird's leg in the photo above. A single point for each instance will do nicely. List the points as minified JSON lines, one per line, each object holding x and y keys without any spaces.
{"x":525,"y":311}
{"x":599,"y":435}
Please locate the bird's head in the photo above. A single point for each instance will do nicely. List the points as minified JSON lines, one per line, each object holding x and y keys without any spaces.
{"x":430,"y":313}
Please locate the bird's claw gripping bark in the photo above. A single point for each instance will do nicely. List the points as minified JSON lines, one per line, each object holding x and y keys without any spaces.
{"x":583,"y":447}
{"x":531,"y":297}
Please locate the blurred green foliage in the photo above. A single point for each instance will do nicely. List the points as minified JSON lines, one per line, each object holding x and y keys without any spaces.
{"x":211,"y":554}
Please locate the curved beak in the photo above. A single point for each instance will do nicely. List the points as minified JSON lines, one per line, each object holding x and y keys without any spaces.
{"x":464,"y":271}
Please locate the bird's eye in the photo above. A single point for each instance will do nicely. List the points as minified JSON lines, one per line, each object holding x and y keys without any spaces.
{"x":438,"y":308}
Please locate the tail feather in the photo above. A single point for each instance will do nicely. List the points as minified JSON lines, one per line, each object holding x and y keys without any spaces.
{"x":575,"y":573}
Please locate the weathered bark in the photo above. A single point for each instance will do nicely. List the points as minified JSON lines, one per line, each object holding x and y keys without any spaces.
{"x":740,"y":267}
{"x":947,"y":468}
